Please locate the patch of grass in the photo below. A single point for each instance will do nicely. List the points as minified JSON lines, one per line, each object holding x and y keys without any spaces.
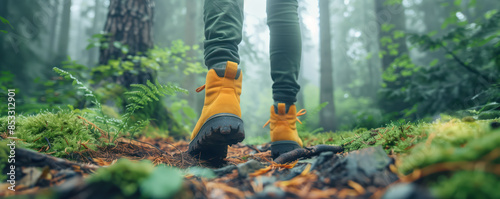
{"x":256,"y":140}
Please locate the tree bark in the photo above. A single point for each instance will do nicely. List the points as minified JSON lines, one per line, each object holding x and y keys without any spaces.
{"x":327,"y":114}
{"x":130,"y":23}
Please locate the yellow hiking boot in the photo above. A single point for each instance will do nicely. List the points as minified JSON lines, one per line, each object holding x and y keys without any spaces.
{"x":220,"y":122}
{"x":284,"y":136}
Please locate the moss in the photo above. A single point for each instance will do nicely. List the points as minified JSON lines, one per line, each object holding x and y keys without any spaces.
{"x":137,"y":179}
{"x":419,"y":145}
{"x":124,"y":175}
{"x":63,"y":130}
{"x":467,"y":184}
{"x":452,"y":141}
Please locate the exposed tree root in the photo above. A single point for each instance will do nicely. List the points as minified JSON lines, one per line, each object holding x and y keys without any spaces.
{"x":32,"y":158}
{"x":306,"y":153}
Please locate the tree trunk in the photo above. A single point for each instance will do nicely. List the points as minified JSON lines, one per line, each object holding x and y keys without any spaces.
{"x":130,"y":23}
{"x":53,"y":26}
{"x":94,"y":30}
{"x":327,"y":114}
{"x":62,"y":48}
{"x":190,"y":39}
{"x":372,"y":85}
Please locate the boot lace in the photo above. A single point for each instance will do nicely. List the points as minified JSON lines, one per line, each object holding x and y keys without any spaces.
{"x":199,"y":89}
{"x":300,"y":113}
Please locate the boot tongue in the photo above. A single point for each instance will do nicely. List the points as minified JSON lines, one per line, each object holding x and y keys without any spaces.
{"x":281,"y":109}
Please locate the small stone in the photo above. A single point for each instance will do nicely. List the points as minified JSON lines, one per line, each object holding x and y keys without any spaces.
{"x":405,"y":190}
{"x":265,"y":181}
{"x":225,"y":170}
{"x":67,"y":173}
{"x":297,"y":170}
{"x":270,"y":192}
{"x":322,"y":158}
{"x":468,"y":119}
{"x":249,"y":167}
{"x":495,"y":125}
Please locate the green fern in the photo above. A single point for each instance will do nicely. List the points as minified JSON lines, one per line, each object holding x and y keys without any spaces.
{"x":87,"y":93}
{"x":139,"y":98}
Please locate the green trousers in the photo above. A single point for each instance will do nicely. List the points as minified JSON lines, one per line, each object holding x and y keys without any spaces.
{"x":223,"y":32}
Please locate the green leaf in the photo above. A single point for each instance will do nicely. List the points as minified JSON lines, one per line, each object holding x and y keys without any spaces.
{"x":472,"y":3}
{"x":432,"y":33}
{"x":189,"y":112}
{"x":3,"y":31}
{"x":490,"y":13}
{"x":398,"y":34}
{"x":117,"y":44}
{"x":458,"y":2}
{"x":164,"y":182}
{"x":386,"y":27}
{"x":449,"y":21}
{"x":434,"y":62}
{"x":5,"y":21}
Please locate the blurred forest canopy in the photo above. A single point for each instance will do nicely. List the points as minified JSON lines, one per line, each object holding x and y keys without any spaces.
{"x":390,"y":59}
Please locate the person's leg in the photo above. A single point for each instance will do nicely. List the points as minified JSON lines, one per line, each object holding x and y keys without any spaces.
{"x":220,"y":121}
{"x":223,"y":31}
{"x":285,"y":49}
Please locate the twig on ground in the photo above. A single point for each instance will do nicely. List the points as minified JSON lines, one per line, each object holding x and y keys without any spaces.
{"x":306,"y":153}
{"x":154,"y":147}
{"x":50,"y":146}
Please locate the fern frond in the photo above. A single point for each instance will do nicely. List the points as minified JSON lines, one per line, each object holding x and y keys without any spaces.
{"x":87,"y":92}
{"x":141,"y":97}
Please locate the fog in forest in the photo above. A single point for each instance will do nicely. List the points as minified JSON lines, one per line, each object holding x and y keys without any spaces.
{"x":407,"y":60}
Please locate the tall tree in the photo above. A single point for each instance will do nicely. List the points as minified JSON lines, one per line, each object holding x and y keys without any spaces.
{"x":327,"y":114}
{"x":130,"y":23}
{"x":96,"y":26}
{"x":53,"y":25}
{"x":370,"y":42}
{"x":62,"y":48}
{"x":190,"y":39}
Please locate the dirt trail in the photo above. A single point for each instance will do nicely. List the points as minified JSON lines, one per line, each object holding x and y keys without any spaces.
{"x":248,"y":172}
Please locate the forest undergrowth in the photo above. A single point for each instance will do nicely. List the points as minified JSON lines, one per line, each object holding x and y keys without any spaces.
{"x":441,"y":155}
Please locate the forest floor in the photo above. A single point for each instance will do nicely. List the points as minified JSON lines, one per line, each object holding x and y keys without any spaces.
{"x":396,"y":161}
{"x":249,"y":172}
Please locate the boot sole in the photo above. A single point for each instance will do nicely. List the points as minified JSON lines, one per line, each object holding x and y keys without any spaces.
{"x":281,"y":147}
{"x":219,"y":131}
